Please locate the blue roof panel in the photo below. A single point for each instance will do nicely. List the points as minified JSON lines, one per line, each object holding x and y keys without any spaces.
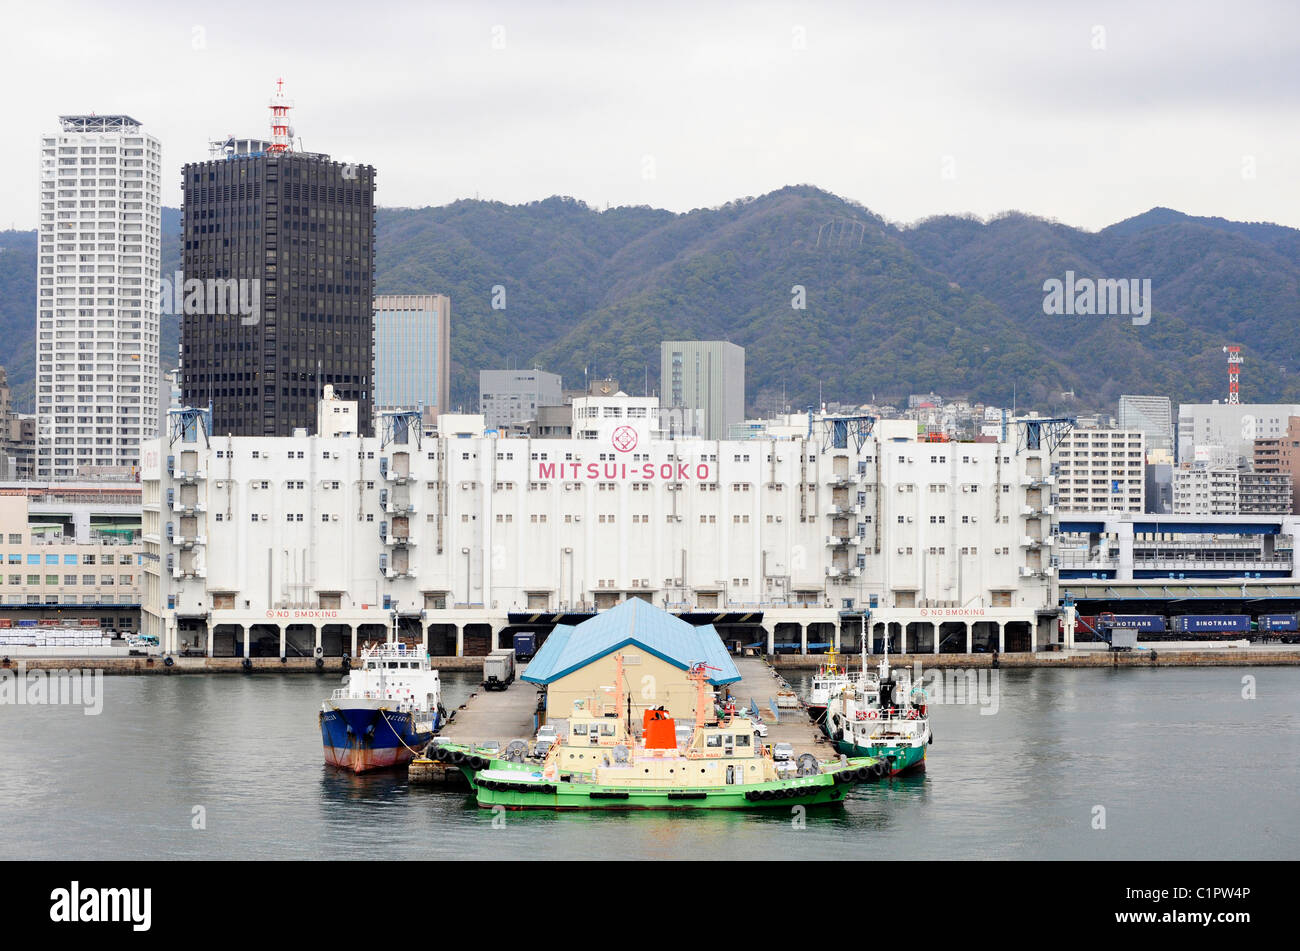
{"x":638,"y":622}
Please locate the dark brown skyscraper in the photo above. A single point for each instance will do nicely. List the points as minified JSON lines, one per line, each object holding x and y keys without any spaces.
{"x":283,"y":242}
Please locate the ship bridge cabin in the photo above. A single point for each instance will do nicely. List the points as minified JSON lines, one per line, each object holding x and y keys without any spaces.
{"x":731,"y":738}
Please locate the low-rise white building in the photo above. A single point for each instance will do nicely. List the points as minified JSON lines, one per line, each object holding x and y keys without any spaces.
{"x":1202,"y":489}
{"x":634,"y":418}
{"x":70,"y":552}
{"x":307,"y":543}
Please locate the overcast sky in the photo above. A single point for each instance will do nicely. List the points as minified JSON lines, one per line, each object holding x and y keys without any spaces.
{"x":1085,"y":112}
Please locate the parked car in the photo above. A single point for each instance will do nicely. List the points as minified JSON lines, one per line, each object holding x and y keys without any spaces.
{"x":783,"y":751}
{"x":760,"y":728}
{"x":546,"y":737}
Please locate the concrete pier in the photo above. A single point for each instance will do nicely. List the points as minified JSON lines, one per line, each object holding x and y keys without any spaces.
{"x":501,"y":715}
{"x":760,"y":683}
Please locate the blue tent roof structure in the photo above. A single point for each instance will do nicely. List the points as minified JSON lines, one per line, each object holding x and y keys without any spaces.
{"x":570,"y":647}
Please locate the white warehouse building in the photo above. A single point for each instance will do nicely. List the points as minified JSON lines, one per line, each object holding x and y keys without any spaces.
{"x":258,"y":546}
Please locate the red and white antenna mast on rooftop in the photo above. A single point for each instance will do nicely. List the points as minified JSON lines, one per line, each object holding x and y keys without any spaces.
{"x":1234,"y":373}
{"x":280,"y":132}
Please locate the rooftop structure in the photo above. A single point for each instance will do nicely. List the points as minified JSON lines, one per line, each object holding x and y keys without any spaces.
{"x":633,"y":623}
{"x":94,"y":123}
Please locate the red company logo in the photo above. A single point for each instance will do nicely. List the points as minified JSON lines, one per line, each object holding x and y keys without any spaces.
{"x":624,"y":439}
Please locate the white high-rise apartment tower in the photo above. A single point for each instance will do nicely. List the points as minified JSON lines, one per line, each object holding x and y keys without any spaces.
{"x":97,"y":302}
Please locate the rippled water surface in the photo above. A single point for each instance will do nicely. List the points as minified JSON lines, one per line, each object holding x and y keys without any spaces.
{"x":1181,"y":764}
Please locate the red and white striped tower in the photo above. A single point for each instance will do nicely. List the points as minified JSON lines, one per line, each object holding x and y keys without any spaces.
{"x":1234,"y":374}
{"x":280,"y":141}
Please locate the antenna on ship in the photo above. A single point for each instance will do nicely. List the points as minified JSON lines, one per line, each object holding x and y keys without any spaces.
{"x":618,"y":684}
{"x":884,"y":664}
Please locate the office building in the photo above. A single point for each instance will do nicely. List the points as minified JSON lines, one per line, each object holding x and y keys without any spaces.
{"x":413,"y":352}
{"x":1234,"y":426}
{"x":1153,"y":415}
{"x":702,"y":382}
{"x":1102,"y":470}
{"x":508,"y":397}
{"x":1263,"y":493}
{"x":1206,"y":489}
{"x":282,"y":242}
{"x":97,"y":318}
{"x":1160,"y":488}
{"x":71,"y":551}
{"x":1281,"y":456}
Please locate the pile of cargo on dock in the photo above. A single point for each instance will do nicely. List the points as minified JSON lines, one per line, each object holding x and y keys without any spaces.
{"x":54,"y":634}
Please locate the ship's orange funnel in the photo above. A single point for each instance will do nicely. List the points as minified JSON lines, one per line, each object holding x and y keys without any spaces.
{"x":658,"y":730}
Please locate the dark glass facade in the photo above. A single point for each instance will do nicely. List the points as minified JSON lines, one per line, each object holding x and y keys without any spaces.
{"x":303,"y":228}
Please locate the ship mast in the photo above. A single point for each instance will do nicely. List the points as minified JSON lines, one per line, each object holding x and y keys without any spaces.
{"x":884,"y":664}
{"x":618,"y":694}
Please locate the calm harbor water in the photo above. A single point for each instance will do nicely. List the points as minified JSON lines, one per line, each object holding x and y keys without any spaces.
{"x":1182,"y":764}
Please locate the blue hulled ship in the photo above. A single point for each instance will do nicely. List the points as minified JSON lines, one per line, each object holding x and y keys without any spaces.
{"x":388,"y":710}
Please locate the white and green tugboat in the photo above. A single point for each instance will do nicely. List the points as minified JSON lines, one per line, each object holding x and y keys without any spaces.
{"x":885,"y":717}
{"x":600,"y":764}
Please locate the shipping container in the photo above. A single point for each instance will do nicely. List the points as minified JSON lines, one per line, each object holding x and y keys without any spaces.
{"x":1085,"y":626}
{"x":1139,"y":622}
{"x":1123,"y":638}
{"x":1211,"y":623}
{"x":1278,"y":622}
{"x":499,"y":669}
{"x":525,"y":645}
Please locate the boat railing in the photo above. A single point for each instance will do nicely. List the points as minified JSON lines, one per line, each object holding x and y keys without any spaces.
{"x":345,"y":693}
{"x":393,"y":650}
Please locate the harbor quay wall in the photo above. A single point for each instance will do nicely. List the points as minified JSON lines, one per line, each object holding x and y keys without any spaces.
{"x":210,"y":665}
{"x":1160,"y":657}
{"x":306,"y":665}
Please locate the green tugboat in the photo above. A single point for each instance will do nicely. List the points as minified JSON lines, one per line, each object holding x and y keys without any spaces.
{"x":600,"y":765}
{"x":884,"y":717}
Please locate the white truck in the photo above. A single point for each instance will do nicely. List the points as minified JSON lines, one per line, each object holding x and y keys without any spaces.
{"x":499,"y":669}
